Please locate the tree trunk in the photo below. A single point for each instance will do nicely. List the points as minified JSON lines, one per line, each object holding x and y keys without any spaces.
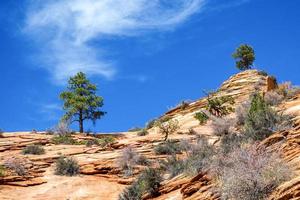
{"x":166,"y":136}
{"x":80,"y":122}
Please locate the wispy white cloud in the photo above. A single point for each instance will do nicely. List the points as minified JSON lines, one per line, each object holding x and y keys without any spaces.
{"x":65,"y":29}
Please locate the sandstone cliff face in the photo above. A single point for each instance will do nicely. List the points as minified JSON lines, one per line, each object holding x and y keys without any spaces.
{"x":100,"y":176}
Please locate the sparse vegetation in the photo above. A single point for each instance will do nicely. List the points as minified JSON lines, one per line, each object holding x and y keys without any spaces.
{"x":201,"y":117}
{"x":147,"y":182}
{"x":173,"y":166}
{"x":241,"y":112}
{"x":81,"y":101}
{"x":167,"y":128}
{"x":199,"y":156}
{"x":66,"y":167}
{"x":17,"y":165}
{"x":222,"y":126}
{"x":251,"y":173}
{"x":67,"y":139}
{"x":288,"y":90}
{"x":244,"y":56}
{"x":106,"y":141}
{"x":129,"y":159}
{"x":143,"y":132}
{"x":34,"y":150}
{"x":62,"y":129}
{"x":167,"y":148}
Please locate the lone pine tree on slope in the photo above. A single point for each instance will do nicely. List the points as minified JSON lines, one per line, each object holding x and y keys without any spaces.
{"x":244,"y":56}
{"x":81,"y":102}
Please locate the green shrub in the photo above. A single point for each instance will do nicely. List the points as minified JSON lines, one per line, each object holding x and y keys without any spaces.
{"x":106,"y":141}
{"x":34,"y":150}
{"x":92,"y":142}
{"x":147,"y":182}
{"x":167,"y":148}
{"x":251,"y":173}
{"x":167,"y":128}
{"x":66,"y":167}
{"x":64,"y":139}
{"x":262,"y":120}
{"x":201,"y":117}
{"x":143,"y":132}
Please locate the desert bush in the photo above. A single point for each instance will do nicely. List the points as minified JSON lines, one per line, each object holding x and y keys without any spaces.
{"x":168,"y":147}
{"x":251,"y":173}
{"x":262,"y":120}
{"x":167,"y":128}
{"x":172,"y":165}
{"x":17,"y":165}
{"x":272,"y":98}
{"x":241,"y":112}
{"x":222,"y":126}
{"x":199,"y":156}
{"x":135,"y":129}
{"x":92,"y":142}
{"x":64,"y":139}
{"x":34,"y":150}
{"x":287,"y":90}
{"x":201,"y":117}
{"x":147,"y":182}
{"x":184,"y":104}
{"x":106,"y":141}
{"x":66,"y":167}
{"x":143,"y":132}
{"x":129,"y":159}
{"x":219,"y":106}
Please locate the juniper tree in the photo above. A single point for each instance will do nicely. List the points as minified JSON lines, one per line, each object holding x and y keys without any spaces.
{"x":244,"y":56}
{"x":81,"y":101}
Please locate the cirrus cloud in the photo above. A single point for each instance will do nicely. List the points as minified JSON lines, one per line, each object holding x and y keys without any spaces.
{"x":65,"y":29}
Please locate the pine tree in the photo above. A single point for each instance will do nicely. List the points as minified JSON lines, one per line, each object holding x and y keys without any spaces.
{"x":81,"y":101}
{"x":244,"y":56}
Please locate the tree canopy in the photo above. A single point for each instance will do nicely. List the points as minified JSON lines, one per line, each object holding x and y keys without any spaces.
{"x":81,"y":101}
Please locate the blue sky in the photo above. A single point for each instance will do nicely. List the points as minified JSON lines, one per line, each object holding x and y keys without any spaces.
{"x":145,"y":56}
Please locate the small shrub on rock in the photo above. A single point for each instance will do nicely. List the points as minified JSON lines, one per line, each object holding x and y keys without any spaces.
{"x":199,"y":156}
{"x":129,"y":159}
{"x":17,"y":165}
{"x":167,"y":148}
{"x":62,"y":129}
{"x":147,"y":182}
{"x":106,"y":141}
{"x":262,"y":120}
{"x":272,"y":98}
{"x":222,"y":126}
{"x":173,"y":166}
{"x":201,"y":117}
{"x":34,"y":150}
{"x":63,"y":139}
{"x":66,"y":167}
{"x":151,"y":124}
{"x":143,"y":132}
{"x":167,"y":128}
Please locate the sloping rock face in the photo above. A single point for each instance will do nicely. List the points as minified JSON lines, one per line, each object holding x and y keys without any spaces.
{"x":100,"y":176}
